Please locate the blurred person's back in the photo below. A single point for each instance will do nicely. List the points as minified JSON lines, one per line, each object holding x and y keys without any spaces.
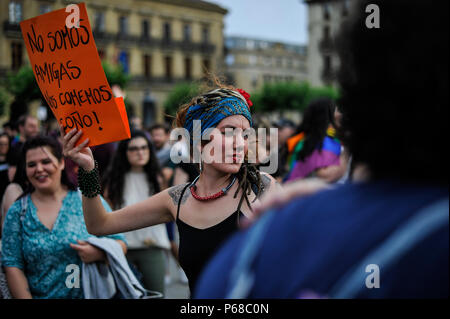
{"x":386,"y":235}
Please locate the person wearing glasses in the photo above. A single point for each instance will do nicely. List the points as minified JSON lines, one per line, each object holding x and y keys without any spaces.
{"x":133,"y":175}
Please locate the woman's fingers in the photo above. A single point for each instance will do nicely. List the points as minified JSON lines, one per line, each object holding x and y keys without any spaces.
{"x":81,"y":146}
{"x":68,"y":136}
{"x":69,"y":141}
{"x":76,"y":247}
{"x":61,"y":131}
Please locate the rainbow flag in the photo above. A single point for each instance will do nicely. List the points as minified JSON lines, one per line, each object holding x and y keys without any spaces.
{"x":328,"y":155}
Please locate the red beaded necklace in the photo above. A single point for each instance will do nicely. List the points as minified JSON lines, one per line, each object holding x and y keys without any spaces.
{"x":221,"y":193}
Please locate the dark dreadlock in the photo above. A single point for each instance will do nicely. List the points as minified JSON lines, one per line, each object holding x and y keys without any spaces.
{"x":249,"y":179}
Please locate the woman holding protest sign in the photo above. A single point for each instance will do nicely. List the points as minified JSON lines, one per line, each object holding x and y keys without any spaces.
{"x":207,"y":210}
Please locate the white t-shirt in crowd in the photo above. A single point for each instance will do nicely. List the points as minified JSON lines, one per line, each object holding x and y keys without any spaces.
{"x":136,"y":189}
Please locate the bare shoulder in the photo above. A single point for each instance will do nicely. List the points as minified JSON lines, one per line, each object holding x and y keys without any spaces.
{"x":269,"y":184}
{"x":14,"y":188}
{"x":176,"y":194}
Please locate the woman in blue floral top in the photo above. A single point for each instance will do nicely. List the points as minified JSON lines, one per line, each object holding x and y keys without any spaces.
{"x":41,"y":244}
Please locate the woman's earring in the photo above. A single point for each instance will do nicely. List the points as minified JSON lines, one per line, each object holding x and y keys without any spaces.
{"x":201,"y":167}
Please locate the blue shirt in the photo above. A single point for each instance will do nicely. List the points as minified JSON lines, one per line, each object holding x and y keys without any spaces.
{"x":44,"y":254}
{"x":311,"y":243}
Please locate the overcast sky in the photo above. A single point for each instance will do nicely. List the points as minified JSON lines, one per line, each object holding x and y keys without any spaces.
{"x":279,"y":20}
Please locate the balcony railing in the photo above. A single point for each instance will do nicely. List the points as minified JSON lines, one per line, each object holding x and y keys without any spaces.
{"x":167,"y":44}
{"x":144,"y":80}
{"x":11,"y":30}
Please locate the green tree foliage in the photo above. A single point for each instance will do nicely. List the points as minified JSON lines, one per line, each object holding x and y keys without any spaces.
{"x":325,"y":91}
{"x":4,"y":99}
{"x":22,"y":85}
{"x":292,"y":96}
{"x":181,"y":94}
{"x":115,"y":74}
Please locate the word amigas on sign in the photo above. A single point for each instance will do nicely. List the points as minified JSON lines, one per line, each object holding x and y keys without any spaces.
{"x":67,"y":68}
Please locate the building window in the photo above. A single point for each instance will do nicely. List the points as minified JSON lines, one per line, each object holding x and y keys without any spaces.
{"x":205,"y":35}
{"x":16,"y":54}
{"x":279,"y":62}
{"x":326,"y":11}
{"x":230,"y":43}
{"x":229,"y":59}
{"x":124,"y":60}
{"x":147,"y":65}
{"x":167,"y":31}
{"x":290,"y":63}
{"x":168,"y":67}
{"x":206,"y":67}
{"x":101,"y":53}
{"x":326,"y":32}
{"x":327,"y":64}
{"x":252,"y":60}
{"x":250,"y":44}
{"x":145,"y":29}
{"x":99,"y":22}
{"x":15,"y":12}
{"x":254,"y":81}
{"x":44,"y":8}
{"x":264,"y":45}
{"x":188,"y":68}
{"x":345,"y":8}
{"x":123,"y":25}
{"x":187,"y":33}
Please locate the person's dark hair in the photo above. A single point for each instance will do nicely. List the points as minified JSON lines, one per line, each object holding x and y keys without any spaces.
{"x":158,"y":126}
{"x":114,"y":179}
{"x":7,"y":135}
{"x":7,"y":125}
{"x":20,"y":176}
{"x":316,"y":119}
{"x":394,"y":89}
{"x":22,"y":119}
{"x":38,"y":142}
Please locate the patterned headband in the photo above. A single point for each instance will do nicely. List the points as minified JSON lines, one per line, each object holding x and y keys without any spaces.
{"x":214,"y":106}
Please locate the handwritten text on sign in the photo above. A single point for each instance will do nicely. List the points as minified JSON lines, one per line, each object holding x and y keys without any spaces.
{"x":69,"y":73}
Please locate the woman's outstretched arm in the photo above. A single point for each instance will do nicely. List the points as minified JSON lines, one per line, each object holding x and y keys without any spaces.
{"x":152,"y":211}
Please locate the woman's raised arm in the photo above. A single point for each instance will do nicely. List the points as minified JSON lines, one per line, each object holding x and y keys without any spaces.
{"x":152,"y":211}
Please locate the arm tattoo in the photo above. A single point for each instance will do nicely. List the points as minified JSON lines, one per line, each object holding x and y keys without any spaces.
{"x":175,"y":193}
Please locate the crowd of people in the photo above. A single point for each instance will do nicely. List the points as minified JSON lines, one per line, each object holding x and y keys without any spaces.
{"x":355,"y":186}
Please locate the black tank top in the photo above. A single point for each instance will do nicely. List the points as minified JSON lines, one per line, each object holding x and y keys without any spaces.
{"x":198,"y":245}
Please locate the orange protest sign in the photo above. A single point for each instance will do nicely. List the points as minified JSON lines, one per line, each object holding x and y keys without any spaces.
{"x":68,"y":71}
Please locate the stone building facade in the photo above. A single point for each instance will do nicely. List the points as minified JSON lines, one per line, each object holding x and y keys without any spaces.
{"x":250,"y":63}
{"x":324,"y":20}
{"x":159,"y":42}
